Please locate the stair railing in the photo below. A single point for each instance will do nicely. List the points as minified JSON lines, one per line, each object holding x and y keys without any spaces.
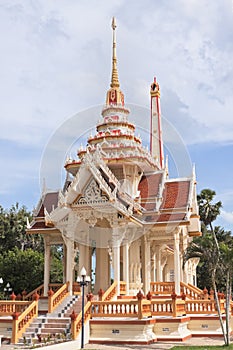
{"x":191,"y":291}
{"x":54,"y":299}
{"x":8,"y":307}
{"x":76,"y":320}
{"x":39,"y":290}
{"x":109,"y":293}
{"x":23,"y":320}
{"x":162,"y":287}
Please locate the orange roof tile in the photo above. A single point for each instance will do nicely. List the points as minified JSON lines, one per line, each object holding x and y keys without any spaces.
{"x":175,"y":194}
{"x":149,"y":188}
{"x":165,"y":217}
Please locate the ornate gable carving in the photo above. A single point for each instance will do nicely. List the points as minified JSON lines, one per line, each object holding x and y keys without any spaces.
{"x":92,"y":195}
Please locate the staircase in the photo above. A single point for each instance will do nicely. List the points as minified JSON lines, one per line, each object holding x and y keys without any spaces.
{"x":53,"y":325}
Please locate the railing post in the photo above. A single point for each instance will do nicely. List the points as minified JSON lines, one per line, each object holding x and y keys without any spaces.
{"x":140,"y":297}
{"x":100,"y":294}
{"x":211,"y":294}
{"x":24,"y":293}
{"x":73,"y":317}
{"x":206,"y":295}
{"x":13,"y":296}
{"x":36,"y":296}
{"x":183,"y":296}
{"x":174,"y":311}
{"x":14,"y":336}
{"x":89,"y":296}
{"x":149,"y":296}
{"x":50,"y":296}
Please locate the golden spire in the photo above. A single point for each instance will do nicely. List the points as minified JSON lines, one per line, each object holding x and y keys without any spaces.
{"x":115,"y":81}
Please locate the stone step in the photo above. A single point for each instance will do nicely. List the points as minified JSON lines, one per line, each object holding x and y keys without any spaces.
{"x":55,"y":324}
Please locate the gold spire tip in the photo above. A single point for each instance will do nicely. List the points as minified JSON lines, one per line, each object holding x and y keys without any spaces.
{"x":113,"y":23}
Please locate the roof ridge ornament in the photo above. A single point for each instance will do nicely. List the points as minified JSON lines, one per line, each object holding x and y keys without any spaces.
{"x":115,"y":80}
{"x":115,"y":97}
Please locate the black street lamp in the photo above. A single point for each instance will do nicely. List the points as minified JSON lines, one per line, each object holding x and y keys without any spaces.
{"x":8,"y":290}
{"x":1,"y":283}
{"x":83,"y":281}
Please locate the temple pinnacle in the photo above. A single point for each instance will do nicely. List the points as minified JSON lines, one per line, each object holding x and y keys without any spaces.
{"x":114,"y":81}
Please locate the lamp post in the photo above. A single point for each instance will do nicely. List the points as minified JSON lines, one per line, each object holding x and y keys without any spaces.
{"x":1,"y":283}
{"x":83,"y":281}
{"x":8,"y":289}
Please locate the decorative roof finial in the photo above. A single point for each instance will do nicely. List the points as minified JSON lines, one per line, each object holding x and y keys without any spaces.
{"x":115,"y":81}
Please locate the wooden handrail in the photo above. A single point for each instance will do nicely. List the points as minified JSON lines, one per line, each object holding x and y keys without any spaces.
{"x":39,"y":290}
{"x":162,"y":287}
{"x":191,"y":291}
{"x":56,"y":298}
{"x":7,"y":308}
{"x":194,"y":287}
{"x":118,"y":308}
{"x":23,"y":320}
{"x":122,"y":288}
{"x":76,"y":320}
{"x":202,"y":306}
{"x":110,"y":292}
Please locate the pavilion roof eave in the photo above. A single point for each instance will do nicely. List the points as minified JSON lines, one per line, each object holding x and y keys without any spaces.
{"x":52,"y":230}
{"x":166,"y":223}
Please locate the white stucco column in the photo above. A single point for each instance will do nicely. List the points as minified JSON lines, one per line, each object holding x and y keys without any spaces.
{"x":126,"y":266}
{"x":146,"y":267}
{"x":159,"y":270}
{"x":46,"y":266}
{"x":102,"y":276}
{"x":177,"y":262}
{"x":116,"y":265}
{"x":153,"y":265}
{"x":69,"y":262}
{"x":84,"y":258}
{"x":64,"y":263}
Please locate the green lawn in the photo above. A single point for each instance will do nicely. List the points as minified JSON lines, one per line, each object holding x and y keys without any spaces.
{"x":223,"y":347}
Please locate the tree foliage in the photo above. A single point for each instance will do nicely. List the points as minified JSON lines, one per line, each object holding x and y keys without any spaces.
{"x":21,"y":255}
{"x":13,"y":223}
{"x":22,"y":269}
{"x":215,"y":250}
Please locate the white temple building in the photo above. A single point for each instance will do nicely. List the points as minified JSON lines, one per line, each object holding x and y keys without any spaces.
{"x":119,"y":204}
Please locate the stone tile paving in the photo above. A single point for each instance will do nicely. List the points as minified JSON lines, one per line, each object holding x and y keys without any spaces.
{"x":158,"y":345}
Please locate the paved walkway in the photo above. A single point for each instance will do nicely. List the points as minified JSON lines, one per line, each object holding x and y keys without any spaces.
{"x":73,"y":345}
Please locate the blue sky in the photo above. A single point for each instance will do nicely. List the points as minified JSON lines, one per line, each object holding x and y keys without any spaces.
{"x":56,"y":64}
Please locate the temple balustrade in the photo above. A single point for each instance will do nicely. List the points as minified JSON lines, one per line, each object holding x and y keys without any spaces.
{"x":162,"y":288}
{"x":122,"y":288}
{"x":8,"y":307}
{"x":203,"y":306}
{"x":76,"y":320}
{"x":109,"y":294}
{"x":191,"y":292}
{"x":23,"y":320}
{"x":52,"y":286}
{"x":54,"y":299}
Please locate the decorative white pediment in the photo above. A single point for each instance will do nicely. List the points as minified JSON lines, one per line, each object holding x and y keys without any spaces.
{"x":92,"y":195}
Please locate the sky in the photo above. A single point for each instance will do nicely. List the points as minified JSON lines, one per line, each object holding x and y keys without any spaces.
{"x":55,"y":70}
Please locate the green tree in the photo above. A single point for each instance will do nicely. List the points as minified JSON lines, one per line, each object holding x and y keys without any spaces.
{"x":21,"y":255}
{"x":13,"y":223}
{"x":214,"y":250}
{"x":23,"y":269}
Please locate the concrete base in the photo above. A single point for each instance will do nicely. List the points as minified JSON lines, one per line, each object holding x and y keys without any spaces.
{"x":122,"y":331}
{"x":172,"y":329}
{"x":209,"y":326}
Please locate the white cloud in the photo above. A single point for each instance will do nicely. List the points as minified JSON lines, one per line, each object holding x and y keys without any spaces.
{"x":227,"y":216}
{"x":56,"y":61}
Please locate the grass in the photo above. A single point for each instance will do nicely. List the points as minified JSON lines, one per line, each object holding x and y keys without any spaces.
{"x":213,"y":347}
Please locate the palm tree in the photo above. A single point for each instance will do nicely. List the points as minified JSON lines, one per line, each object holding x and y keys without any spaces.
{"x":207,"y":248}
